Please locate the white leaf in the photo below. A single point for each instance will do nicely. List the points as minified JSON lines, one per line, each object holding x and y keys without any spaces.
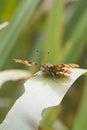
{"x":40,"y":92}
{"x":3,"y":25}
{"x":13,"y":75}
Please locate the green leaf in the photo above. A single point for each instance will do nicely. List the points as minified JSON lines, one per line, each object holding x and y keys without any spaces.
{"x":53,"y":37}
{"x":75,"y":19}
{"x":75,"y":34}
{"x":80,"y":122}
{"x":41,"y":92}
{"x":20,"y":18}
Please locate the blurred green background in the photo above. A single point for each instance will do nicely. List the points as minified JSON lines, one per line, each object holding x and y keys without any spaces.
{"x":45,"y":31}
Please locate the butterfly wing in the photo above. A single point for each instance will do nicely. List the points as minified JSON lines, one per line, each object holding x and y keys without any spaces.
{"x":62,"y":68}
{"x":28,"y":63}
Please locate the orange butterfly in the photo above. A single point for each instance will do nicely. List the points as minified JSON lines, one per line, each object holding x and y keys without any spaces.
{"x":49,"y":68}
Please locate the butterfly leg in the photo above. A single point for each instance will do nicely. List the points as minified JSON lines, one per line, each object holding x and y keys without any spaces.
{"x":53,"y":75}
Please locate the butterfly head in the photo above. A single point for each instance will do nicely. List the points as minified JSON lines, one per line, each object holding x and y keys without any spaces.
{"x":46,"y":67}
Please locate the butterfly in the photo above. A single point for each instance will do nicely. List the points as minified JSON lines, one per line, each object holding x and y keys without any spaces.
{"x":54,"y":70}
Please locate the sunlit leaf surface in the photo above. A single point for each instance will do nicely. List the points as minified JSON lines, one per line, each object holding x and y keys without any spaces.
{"x":41,"y":92}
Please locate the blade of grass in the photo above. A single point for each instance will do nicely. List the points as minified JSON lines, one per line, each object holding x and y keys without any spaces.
{"x":78,"y":41}
{"x":73,"y":51}
{"x":53,"y":34}
{"x":81,"y":118}
{"x":21,"y":16}
{"x":37,"y":46}
{"x":2,"y":3}
{"x":8,"y":9}
{"x":71,"y":25}
{"x":80,"y":26}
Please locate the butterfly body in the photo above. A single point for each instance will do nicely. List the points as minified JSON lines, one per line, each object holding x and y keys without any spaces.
{"x":53,"y":70}
{"x":58,"y":69}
